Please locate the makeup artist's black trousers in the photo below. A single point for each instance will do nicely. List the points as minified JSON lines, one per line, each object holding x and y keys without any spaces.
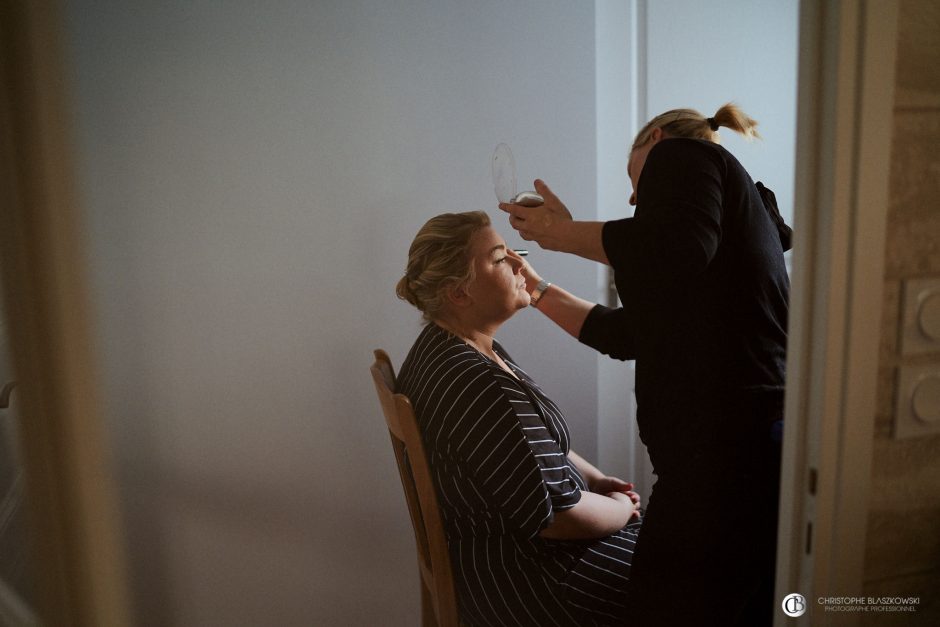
{"x":706,"y":553}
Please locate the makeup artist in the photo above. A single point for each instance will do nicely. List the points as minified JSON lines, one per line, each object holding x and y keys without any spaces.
{"x":700,"y":271}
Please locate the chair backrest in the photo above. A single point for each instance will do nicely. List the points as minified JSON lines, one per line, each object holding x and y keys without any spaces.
{"x":433,"y":559}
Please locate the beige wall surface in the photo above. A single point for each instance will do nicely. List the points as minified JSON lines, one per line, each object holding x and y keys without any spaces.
{"x":903,"y":552}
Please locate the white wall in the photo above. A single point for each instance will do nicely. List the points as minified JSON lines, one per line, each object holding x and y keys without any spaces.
{"x":252,"y":175}
{"x":704,"y":54}
{"x":619,"y":26}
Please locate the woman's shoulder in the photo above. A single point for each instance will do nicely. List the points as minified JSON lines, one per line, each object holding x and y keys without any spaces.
{"x":437,"y":354}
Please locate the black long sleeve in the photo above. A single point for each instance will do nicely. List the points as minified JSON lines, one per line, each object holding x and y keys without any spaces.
{"x":700,"y":272}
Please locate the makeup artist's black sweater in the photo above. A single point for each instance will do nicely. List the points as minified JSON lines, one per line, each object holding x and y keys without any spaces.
{"x":701,"y":276}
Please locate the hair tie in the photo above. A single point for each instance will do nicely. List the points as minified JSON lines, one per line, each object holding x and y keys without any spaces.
{"x":712,"y":123}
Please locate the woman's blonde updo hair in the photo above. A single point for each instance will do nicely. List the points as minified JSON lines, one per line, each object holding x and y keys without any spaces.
{"x":691,"y":124}
{"x":439,"y":259}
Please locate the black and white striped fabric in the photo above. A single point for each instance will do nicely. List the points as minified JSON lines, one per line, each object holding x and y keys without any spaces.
{"x":498,"y":450}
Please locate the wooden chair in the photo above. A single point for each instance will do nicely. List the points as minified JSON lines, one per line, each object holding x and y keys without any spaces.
{"x":438,"y":597}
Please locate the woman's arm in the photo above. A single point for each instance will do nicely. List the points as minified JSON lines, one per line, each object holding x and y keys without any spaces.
{"x":590,"y":472}
{"x":599,"y":482}
{"x":594,"y":516}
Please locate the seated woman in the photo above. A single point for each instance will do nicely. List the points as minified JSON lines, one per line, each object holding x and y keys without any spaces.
{"x":537,"y":535}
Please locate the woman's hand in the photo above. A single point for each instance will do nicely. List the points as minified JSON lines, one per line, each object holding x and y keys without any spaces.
{"x":605,"y":484}
{"x":546,"y":224}
{"x":627,"y":500}
{"x":613,"y":485}
{"x":636,"y":502}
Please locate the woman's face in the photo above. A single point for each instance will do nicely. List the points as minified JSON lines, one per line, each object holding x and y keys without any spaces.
{"x":498,"y":290}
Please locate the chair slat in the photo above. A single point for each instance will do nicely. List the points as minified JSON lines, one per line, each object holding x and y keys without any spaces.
{"x":433,"y":558}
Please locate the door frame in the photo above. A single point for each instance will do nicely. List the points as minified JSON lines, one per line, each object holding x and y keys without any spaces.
{"x":70,"y":496}
{"x":844,"y":126}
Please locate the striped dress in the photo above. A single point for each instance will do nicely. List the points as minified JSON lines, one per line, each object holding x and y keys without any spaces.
{"x":498,"y":451}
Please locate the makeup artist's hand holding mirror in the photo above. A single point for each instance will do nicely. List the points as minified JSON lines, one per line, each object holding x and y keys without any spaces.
{"x":545,"y":223}
{"x":534,"y":214}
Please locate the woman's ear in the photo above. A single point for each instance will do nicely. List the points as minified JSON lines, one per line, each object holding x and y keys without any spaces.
{"x":458,"y":295}
{"x":656,"y":135}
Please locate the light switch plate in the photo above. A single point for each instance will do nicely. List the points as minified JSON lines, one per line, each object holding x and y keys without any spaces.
{"x":920,"y":317}
{"x":918,"y":409}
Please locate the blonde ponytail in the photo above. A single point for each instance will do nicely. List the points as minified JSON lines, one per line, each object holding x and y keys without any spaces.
{"x":730,"y":116}
{"x":691,"y":124}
